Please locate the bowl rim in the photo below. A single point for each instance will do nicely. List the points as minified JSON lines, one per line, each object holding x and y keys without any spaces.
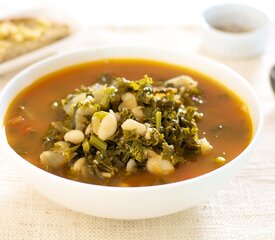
{"x":21,"y":75}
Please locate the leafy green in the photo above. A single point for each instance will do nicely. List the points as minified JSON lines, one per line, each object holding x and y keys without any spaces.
{"x":98,"y":143}
{"x":106,"y":98}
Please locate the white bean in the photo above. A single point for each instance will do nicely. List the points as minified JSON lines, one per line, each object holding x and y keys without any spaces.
{"x":88,"y":129}
{"x":106,"y":174}
{"x":95,"y":124}
{"x":74,"y":136}
{"x":78,"y":165}
{"x":131,"y":124}
{"x":182,"y":81}
{"x":138,"y":113}
{"x":157,"y":165}
{"x":108,"y":126}
{"x":148,"y":132}
{"x":129,"y":100}
{"x":131,"y":166}
{"x":205,"y":146}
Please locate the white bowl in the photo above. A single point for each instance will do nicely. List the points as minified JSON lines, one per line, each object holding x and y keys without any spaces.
{"x":134,"y":202}
{"x":230,"y":44}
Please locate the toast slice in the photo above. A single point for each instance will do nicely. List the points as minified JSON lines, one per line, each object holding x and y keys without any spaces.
{"x":22,"y":35}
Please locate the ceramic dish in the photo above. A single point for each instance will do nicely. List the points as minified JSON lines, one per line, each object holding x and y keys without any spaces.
{"x":234,"y":30}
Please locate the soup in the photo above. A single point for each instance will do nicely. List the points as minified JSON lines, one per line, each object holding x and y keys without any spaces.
{"x":225,"y":123}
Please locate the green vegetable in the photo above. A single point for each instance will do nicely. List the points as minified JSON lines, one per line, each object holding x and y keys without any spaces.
{"x":105,"y":101}
{"x":137,"y":151}
{"x":97,"y":143}
{"x":158,"y":120}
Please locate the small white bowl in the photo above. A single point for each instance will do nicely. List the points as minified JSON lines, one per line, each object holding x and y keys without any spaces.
{"x":234,"y":30}
{"x":133,"y":202}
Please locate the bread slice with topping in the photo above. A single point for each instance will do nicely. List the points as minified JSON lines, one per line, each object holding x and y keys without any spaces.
{"x":22,"y":35}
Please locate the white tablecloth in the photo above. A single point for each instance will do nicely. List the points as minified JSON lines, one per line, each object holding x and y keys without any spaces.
{"x":245,"y":209}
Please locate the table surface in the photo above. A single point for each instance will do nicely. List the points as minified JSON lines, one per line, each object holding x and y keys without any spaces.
{"x":245,"y":209}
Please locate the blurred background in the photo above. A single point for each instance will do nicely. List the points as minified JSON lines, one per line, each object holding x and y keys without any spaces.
{"x":133,"y":12}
